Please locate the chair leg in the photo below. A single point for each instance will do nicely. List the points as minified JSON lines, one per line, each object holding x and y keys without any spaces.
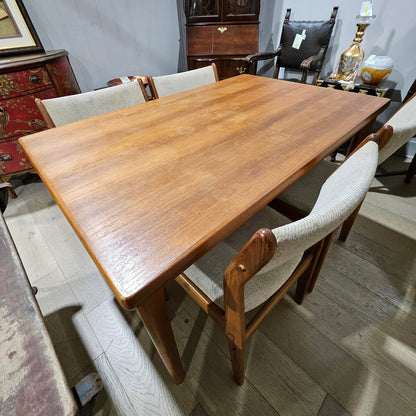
{"x":276,"y":72}
{"x":304,"y":280}
{"x":411,"y":171}
{"x":302,"y":286}
{"x":325,"y":247}
{"x":315,"y":77}
{"x":348,"y":223}
{"x":237,"y":362}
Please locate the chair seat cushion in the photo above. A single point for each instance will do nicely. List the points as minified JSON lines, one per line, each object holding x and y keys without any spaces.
{"x":304,"y":192}
{"x":208,"y":272}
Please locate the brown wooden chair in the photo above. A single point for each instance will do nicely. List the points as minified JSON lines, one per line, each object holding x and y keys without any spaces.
{"x":298,"y":200}
{"x":182,"y":81}
{"x":310,"y":52}
{"x":63,"y":110}
{"x":260,"y":272}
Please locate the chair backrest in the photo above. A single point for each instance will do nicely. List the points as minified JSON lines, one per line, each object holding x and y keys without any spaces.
{"x":183,"y":81}
{"x":340,"y":195}
{"x":404,"y":128}
{"x":64,"y":110}
{"x":317,"y":37}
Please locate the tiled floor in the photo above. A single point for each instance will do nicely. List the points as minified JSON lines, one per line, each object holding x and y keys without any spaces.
{"x":349,"y":349}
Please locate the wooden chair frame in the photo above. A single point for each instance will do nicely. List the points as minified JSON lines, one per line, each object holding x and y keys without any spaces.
{"x":258,"y":251}
{"x":253,"y":256}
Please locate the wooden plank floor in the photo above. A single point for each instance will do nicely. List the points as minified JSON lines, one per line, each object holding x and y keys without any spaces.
{"x":350,"y":349}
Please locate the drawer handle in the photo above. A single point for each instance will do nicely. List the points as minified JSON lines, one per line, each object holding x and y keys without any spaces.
{"x":5,"y":158}
{"x":222,"y":29}
{"x":34,"y":79}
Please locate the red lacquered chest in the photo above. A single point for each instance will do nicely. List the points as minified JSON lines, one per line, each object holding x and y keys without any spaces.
{"x":22,"y":79}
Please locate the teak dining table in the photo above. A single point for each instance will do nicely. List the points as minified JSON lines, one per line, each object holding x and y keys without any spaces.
{"x":151,"y":188}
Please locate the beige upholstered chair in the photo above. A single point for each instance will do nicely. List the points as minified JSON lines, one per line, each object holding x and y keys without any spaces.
{"x":404,"y":128}
{"x":297,"y":200}
{"x":276,"y":257}
{"x":64,"y":110}
{"x":183,"y":81}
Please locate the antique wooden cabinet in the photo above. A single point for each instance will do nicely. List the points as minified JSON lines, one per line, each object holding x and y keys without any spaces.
{"x":221,"y":31}
{"x":22,"y":79}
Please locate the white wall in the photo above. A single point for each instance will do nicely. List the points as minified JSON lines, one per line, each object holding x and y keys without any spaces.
{"x":107,"y":39}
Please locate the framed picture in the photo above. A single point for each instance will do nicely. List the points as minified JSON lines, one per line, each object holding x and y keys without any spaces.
{"x":17,"y":34}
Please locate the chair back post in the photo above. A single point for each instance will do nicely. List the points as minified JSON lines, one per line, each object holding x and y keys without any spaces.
{"x":371,"y":137}
{"x":384,"y":135}
{"x":152,"y":88}
{"x":287,"y":16}
{"x":333,"y":14}
{"x":44,"y":112}
{"x":143,"y":89}
{"x":214,"y":68}
{"x":249,"y":260}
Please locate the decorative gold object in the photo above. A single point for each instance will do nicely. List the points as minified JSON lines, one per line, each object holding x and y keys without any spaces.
{"x":222,"y":29}
{"x":352,"y":57}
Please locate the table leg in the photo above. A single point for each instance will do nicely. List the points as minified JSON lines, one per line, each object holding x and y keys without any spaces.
{"x":155,"y":317}
{"x":360,"y":136}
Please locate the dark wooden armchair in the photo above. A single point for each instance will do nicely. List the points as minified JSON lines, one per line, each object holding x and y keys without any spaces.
{"x":309,"y":53}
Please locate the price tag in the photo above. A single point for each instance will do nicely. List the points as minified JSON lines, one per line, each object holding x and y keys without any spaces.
{"x":124,"y":80}
{"x":370,"y":59}
{"x":366,"y":8}
{"x":298,"y":40}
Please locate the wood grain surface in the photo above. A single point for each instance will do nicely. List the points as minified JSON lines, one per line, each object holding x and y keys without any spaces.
{"x":149,"y":189}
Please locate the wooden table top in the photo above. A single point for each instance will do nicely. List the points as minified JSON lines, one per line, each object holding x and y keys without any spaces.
{"x":151,"y":188}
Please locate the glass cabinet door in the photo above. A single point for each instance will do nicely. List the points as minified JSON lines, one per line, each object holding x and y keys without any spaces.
{"x":202,"y":10}
{"x":242,"y":10}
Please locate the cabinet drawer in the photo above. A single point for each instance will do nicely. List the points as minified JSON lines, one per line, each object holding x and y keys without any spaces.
{"x":17,"y":83}
{"x":227,"y":67}
{"x":222,"y":39}
{"x":12,"y":157}
{"x":21,"y":116}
